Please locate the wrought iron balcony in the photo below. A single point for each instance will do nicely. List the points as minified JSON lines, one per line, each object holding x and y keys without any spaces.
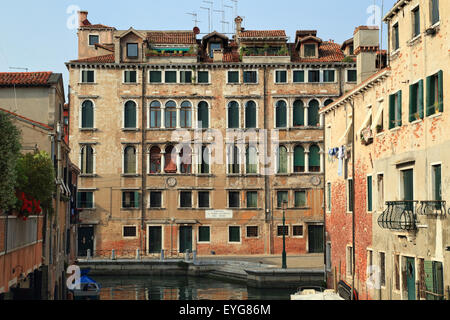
{"x":399,"y":216}
{"x":433,"y":208}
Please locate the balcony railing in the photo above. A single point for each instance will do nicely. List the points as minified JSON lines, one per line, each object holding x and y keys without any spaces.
{"x":433,"y":208}
{"x":399,"y":216}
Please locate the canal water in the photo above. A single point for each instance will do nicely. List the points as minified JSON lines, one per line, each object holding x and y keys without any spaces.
{"x":182,"y":288}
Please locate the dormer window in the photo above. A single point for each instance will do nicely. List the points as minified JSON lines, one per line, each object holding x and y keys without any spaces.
{"x":351,"y":50}
{"x":132,"y":50}
{"x":214,"y":46}
{"x":310,"y":50}
{"x":93,"y":39}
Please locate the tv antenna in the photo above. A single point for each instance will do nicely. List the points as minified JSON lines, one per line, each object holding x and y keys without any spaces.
{"x":232,"y":19}
{"x":18,"y":68}
{"x":195,"y":16}
{"x":209,"y":17}
{"x":210,"y":10}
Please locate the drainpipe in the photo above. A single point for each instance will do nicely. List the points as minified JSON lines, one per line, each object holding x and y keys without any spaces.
{"x":267,"y":212}
{"x":353,"y":198}
{"x":144,"y":163}
{"x":324,"y":200}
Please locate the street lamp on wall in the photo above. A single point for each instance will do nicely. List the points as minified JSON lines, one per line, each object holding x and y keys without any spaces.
{"x":283,"y":258}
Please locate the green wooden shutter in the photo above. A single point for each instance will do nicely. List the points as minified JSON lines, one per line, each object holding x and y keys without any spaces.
{"x":399,"y":108}
{"x":299,"y":76}
{"x":429,"y":281}
{"x":300,"y":199}
{"x":313,"y":113}
{"x":203,"y":114}
{"x":299,"y":157}
{"x":299,"y":114}
{"x":250,"y":115}
{"x":412,"y":102}
{"x":281,"y":114}
{"x":203,"y":77}
{"x":233,"y":115}
{"x":136,"y":199}
{"x":369,"y":194}
{"x":421,"y":104}
{"x":87,"y":115}
{"x":282,"y":160}
{"x":235,"y":234}
{"x":130,"y":115}
{"x":391,"y":111}
{"x":441,"y":90}
{"x":314,"y":157}
{"x":430,"y":96}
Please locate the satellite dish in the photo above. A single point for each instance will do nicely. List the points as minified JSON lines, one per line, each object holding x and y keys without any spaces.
{"x":196,"y":30}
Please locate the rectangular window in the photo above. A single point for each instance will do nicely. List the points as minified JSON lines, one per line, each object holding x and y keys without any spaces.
{"x":369,"y":194}
{"x":350,"y":195}
{"x":328,"y":264}
{"x":129,"y":232}
{"x":300,"y":199}
{"x":250,"y":77}
{"x":416,"y":21}
{"x":204,"y":234}
{"x":234,"y":234}
{"x":156,"y":199}
{"x":314,"y":76}
{"x":87,"y":76}
{"x":203,"y":199}
{"x":351,"y":76}
{"x":281,"y":76}
{"x":170,"y":77}
{"x":203,"y":77}
{"x":282,"y":196}
{"x":329,"y":196}
{"x":234,"y":199}
{"x":252,"y":199}
{"x":185,"y":76}
{"x":252,"y":232}
{"x":437,"y":185}
{"x":185,"y":199}
{"x":328,"y":76}
{"x":298,"y":76}
{"x":310,"y":50}
{"x":132,"y":50}
{"x":395,"y":37}
{"x":93,"y":39}
{"x":130,"y":200}
{"x":85,"y":200}
{"x":349,"y":260}
{"x":434,"y":12}
{"x":395,"y":110}
{"x":380,"y":184}
{"x":130,"y":76}
{"x":282,"y":230}
{"x":416,"y":109}
{"x":155,"y":77}
{"x":233,"y":76}
{"x":435,"y":94}
{"x":370,"y":267}
{"x":297,"y":231}
{"x":382,"y":269}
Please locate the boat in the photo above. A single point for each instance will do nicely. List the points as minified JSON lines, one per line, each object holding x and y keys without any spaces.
{"x":89,"y":288}
{"x":315,"y":293}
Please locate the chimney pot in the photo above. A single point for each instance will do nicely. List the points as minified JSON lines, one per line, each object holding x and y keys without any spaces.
{"x":82,"y":16}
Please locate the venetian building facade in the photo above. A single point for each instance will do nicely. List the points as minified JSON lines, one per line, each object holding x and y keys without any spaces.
{"x":195,"y":143}
{"x":387,"y":217}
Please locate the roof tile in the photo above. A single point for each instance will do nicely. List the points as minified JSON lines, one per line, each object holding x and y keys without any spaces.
{"x":172,"y":37}
{"x":263,"y":34}
{"x":24,"y":78}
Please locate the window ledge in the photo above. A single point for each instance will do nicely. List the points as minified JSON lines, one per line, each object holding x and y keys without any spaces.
{"x":88,"y":83}
{"x":130,"y":130}
{"x":433,"y":29}
{"x":130,"y":209}
{"x":88,"y":175}
{"x":416,"y":121}
{"x":395,"y":54}
{"x":87,"y":209}
{"x":395,"y":129}
{"x":435,"y":115}
{"x":156,"y":209}
{"x":415,"y":40}
{"x":130,"y":175}
{"x":130,"y":83}
{"x":88,"y":129}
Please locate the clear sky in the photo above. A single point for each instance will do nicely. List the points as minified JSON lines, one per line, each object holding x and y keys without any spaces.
{"x":38,"y":34}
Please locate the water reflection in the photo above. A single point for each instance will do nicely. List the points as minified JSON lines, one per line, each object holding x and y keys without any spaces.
{"x":181,"y":288}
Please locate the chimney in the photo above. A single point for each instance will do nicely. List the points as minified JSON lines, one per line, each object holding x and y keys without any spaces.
{"x":82,"y":16}
{"x":238,"y":21}
{"x":366,"y":44}
{"x":218,"y":55}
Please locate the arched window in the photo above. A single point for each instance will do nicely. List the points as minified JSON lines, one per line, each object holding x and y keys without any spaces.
{"x":203,"y":115}
{"x":281,"y":114}
{"x":186,"y":115}
{"x":299,"y":113}
{"x":171,"y":115}
{"x":170,"y":163}
{"x":299,"y":159}
{"x":204,"y":160}
{"x":328,"y":102}
{"x":250,"y":115}
{"x":314,"y":159}
{"x":313,"y":113}
{"x":282,"y":160}
{"x":186,"y":160}
{"x":87,"y":115}
{"x":87,"y":160}
{"x":251,"y":157}
{"x":129,"y":161}
{"x":233,"y":115}
{"x":155,"y":114}
{"x":155,"y":160}
{"x":233,"y":159}
{"x":130,"y":115}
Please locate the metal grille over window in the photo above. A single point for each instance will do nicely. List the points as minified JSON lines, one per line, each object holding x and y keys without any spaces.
{"x":399,"y":215}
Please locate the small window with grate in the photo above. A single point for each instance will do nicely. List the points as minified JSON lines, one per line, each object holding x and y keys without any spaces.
{"x":129,"y":232}
{"x":252,"y":232}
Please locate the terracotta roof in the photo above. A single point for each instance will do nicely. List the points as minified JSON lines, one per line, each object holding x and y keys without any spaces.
{"x":328,"y":52}
{"x":172,"y":37}
{"x":262,"y":34}
{"x":24,"y":78}
{"x":87,"y":24}
{"x":22,"y":118}
{"x":109,"y":58}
